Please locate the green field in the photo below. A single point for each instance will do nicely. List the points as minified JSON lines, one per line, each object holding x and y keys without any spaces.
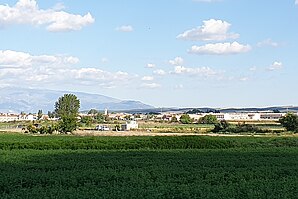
{"x":148,"y":167}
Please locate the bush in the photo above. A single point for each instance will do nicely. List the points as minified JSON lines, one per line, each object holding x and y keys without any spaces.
{"x":208,"y":119}
{"x":185,"y":119}
{"x":34,"y":129}
{"x":290,"y":122}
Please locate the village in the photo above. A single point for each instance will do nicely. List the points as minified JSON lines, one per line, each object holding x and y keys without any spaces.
{"x":128,"y":121}
{"x":168,"y":116}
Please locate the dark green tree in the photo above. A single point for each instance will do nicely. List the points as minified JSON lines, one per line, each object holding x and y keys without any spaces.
{"x":93,"y":112}
{"x":221,"y":126}
{"x":174,"y":119}
{"x":290,"y":122}
{"x":185,"y":119}
{"x":208,"y":119}
{"x":39,"y":114}
{"x":67,"y":109}
{"x":99,"y":117}
{"x":87,"y":120}
{"x":51,"y":114}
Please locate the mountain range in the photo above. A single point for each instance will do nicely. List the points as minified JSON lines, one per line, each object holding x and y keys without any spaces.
{"x":282,"y":109}
{"x":16,"y":100}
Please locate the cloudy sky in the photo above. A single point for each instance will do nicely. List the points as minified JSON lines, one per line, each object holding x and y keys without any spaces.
{"x":170,"y":53}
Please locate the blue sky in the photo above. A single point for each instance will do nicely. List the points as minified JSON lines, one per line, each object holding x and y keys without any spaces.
{"x":170,"y":53}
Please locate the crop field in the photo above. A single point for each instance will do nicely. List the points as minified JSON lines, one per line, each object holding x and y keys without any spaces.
{"x":148,"y":167}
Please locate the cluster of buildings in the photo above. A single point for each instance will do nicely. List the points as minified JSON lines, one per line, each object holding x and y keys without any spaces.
{"x":245,"y":116}
{"x":266,"y":116}
{"x":11,"y":117}
{"x":235,"y":116}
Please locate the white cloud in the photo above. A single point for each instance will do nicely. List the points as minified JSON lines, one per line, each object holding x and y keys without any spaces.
{"x":177,"y":61}
{"x":71,"y":60}
{"x":28,"y":12}
{"x":159,"y":72}
{"x":275,"y":66}
{"x":150,"y":65}
{"x":296,"y":2}
{"x":220,"y":48}
{"x":14,"y":59}
{"x":59,"y":6}
{"x":50,"y":70}
{"x":211,"y":30}
{"x":267,"y":42}
{"x":147,"y":78}
{"x":201,"y":71}
{"x":95,"y":74}
{"x":151,"y":85}
{"x":125,"y":28}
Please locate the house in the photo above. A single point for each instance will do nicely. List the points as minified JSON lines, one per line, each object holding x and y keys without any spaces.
{"x":102,"y":128}
{"x":129,"y":125}
{"x":8,"y":117}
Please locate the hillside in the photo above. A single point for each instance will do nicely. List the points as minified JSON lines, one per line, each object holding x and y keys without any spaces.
{"x":14,"y":99}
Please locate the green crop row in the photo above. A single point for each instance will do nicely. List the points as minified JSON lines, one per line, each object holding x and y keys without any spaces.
{"x":232,"y":173}
{"x":19,"y":141}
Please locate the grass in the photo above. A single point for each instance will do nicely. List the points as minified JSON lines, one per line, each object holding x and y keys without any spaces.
{"x":147,"y":167}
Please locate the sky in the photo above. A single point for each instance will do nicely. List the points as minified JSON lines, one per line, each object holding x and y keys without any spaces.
{"x":166,"y":53}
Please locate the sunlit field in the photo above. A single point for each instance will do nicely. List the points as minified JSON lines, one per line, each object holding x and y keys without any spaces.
{"x":147,"y":167}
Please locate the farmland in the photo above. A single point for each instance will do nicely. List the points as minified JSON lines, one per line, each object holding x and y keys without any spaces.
{"x":148,"y":167}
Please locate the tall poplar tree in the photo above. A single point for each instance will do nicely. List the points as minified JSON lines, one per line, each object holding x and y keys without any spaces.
{"x":67,"y":109}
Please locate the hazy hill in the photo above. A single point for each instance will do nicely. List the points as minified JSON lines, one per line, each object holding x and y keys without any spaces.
{"x":14,"y":99}
{"x":221,"y":110}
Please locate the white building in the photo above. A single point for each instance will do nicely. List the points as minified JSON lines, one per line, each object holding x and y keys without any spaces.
{"x":8,"y":117}
{"x":129,"y":125}
{"x":249,"y":116}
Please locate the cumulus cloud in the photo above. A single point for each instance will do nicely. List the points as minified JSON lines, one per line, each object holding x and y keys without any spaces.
{"x":14,"y":59}
{"x":150,"y":65}
{"x":28,"y":12}
{"x":45,"y":70}
{"x":150,"y":85}
{"x":147,"y":78}
{"x":267,"y":42}
{"x":200,"y":71}
{"x":125,"y":28}
{"x":220,"y":49}
{"x":159,"y":72}
{"x":296,"y":2}
{"x":211,"y":30}
{"x":176,"y":61}
{"x":275,"y":66}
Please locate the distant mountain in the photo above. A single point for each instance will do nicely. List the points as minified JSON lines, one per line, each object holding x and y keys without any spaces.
{"x":282,"y":109}
{"x":15,"y":100}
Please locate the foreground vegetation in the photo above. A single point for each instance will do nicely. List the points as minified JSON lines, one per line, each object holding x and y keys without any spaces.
{"x":147,"y":167}
{"x":10,"y":141}
{"x":251,"y":173}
